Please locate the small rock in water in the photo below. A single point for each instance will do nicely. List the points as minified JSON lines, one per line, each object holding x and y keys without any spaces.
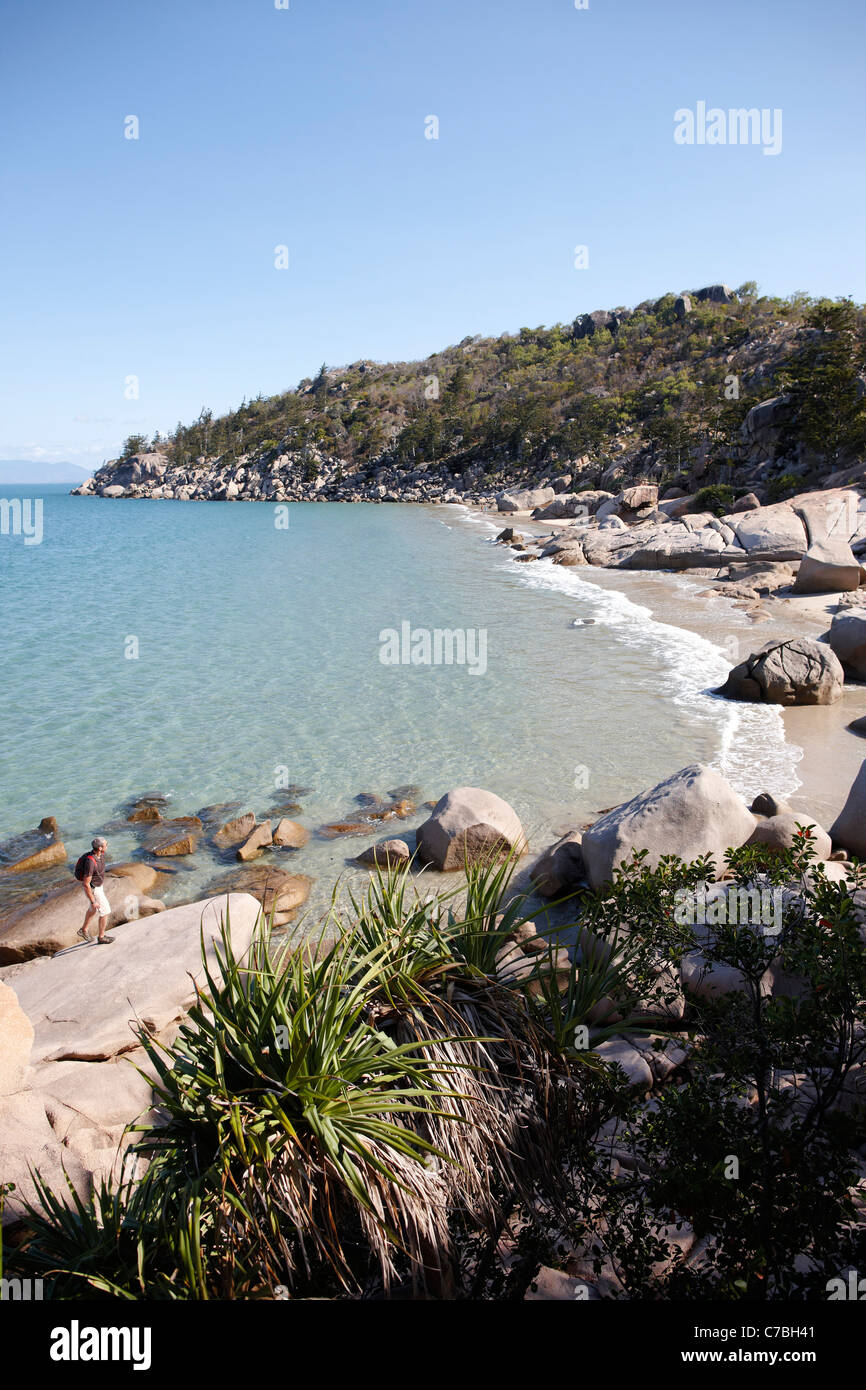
{"x":289,"y":833}
{"x":583,"y":622}
{"x":368,"y":799}
{"x":386,"y":854}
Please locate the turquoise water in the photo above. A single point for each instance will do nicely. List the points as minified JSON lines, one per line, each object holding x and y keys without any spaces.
{"x":259,"y":658}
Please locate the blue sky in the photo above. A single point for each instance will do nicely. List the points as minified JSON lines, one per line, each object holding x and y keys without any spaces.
{"x":305,"y":127}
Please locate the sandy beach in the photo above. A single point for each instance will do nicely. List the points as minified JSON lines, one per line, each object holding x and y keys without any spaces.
{"x":831,"y":754}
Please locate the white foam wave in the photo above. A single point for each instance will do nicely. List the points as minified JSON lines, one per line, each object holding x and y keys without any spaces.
{"x":752,"y":752}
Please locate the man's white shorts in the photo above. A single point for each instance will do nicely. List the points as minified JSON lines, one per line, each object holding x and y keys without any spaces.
{"x":102,"y":902}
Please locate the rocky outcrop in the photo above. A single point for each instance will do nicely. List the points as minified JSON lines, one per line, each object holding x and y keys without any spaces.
{"x":469,"y":826}
{"x":694,"y":812}
{"x":715,"y":294}
{"x":798,"y":672}
{"x":85,"y":1005}
{"x":68,"y":1043}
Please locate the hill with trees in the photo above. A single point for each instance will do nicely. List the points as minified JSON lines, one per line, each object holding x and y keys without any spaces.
{"x":663,"y":392}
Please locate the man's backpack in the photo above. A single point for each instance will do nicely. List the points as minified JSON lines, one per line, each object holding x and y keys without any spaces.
{"x":81,"y":870}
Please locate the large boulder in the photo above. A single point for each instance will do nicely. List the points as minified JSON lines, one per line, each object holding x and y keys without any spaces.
{"x":50,"y":925}
{"x":770,"y":533}
{"x":526,"y":500}
{"x":716,"y":294}
{"x":651,"y":546}
{"x":779,"y":833}
{"x":848,"y":640}
{"x":642,"y":495}
{"x":828,"y":567}
{"x":16,"y":1040}
{"x":849,"y":828}
{"x":765,"y":420}
{"x":469,"y":825}
{"x":560,"y":869}
{"x":567,"y":504}
{"x":798,"y":672}
{"x":694,"y":812}
{"x":593,"y":498}
{"x":84,"y":1005}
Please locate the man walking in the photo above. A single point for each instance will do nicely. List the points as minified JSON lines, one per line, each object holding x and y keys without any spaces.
{"x":90,"y":871}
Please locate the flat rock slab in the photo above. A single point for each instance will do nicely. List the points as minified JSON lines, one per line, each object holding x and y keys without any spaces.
{"x":16,"y":1040}
{"x":84,"y":1005}
{"x":50,"y":925}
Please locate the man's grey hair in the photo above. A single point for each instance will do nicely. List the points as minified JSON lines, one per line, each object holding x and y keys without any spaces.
{"x":98,"y":842}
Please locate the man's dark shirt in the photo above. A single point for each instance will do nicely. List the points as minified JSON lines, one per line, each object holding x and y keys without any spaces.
{"x":97,"y":875}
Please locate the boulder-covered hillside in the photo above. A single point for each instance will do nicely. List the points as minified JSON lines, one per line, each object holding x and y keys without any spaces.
{"x":708,"y":388}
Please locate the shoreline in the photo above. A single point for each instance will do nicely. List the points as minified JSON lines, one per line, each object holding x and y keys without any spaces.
{"x":830,"y":754}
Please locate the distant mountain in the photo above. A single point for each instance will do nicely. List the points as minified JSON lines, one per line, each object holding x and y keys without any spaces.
{"x":14,"y":471}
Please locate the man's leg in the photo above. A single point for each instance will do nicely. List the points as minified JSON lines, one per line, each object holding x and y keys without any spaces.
{"x":103,"y":923}
{"x":88,"y":918}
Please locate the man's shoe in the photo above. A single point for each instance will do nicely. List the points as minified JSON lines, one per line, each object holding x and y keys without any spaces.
{"x":105,"y":941}
{"x":83,"y":934}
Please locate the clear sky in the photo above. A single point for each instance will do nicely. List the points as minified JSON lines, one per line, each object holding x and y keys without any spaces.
{"x":305,"y":127}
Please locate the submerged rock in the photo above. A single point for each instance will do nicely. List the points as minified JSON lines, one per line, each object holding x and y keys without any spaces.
{"x":280,"y":894}
{"x":235,"y":832}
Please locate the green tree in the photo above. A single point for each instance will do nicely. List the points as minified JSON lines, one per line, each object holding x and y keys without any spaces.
{"x":825,"y":383}
{"x":134,"y":444}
